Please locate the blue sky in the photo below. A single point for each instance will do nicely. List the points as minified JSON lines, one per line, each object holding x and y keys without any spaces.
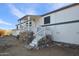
{"x":10,"y":13}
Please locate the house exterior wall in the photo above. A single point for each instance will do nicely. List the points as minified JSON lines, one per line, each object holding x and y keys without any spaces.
{"x":35,"y":24}
{"x":68,"y":33}
{"x":24,"y":24}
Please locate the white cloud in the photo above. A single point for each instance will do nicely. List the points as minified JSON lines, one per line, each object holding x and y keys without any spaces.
{"x":15,"y":11}
{"x":28,"y":11}
{"x":31,"y":8}
{"x":4,"y":22}
{"x":31,"y":12}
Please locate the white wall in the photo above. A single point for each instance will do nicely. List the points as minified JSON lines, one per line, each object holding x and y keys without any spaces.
{"x":65,"y":15}
{"x":24,"y":26}
{"x":36,"y":24}
{"x":68,"y":33}
{"x":33,"y":26}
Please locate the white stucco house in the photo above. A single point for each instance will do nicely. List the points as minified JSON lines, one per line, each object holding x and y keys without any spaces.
{"x":62,"y":24}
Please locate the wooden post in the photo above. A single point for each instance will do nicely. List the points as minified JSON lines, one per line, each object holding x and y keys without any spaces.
{"x":20,"y":25}
{"x":28,"y":23}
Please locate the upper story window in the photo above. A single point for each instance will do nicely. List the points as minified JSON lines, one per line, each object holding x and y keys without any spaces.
{"x":47,"y":20}
{"x":30,"y":23}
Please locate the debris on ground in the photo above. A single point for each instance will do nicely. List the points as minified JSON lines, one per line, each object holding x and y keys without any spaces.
{"x":21,"y":51}
{"x":45,"y":42}
{"x":26,"y":37}
{"x":5,"y":43}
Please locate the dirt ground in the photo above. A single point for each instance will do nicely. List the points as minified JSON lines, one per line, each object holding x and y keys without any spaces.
{"x":19,"y":50}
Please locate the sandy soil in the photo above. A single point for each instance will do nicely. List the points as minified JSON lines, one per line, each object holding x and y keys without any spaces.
{"x":19,"y":50}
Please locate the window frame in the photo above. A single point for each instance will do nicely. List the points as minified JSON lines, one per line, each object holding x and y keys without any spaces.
{"x":47,"y":20}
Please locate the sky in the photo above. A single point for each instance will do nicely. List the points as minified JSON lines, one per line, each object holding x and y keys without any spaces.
{"x":11,"y":12}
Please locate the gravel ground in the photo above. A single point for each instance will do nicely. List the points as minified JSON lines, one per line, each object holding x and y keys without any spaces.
{"x":19,"y":50}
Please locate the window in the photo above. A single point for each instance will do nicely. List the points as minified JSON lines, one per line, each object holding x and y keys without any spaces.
{"x":26,"y":23}
{"x":47,"y":20}
{"x":30,"y":23}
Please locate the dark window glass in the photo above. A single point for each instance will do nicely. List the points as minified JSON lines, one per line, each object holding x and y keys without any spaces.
{"x":30,"y":23}
{"x":47,"y":20}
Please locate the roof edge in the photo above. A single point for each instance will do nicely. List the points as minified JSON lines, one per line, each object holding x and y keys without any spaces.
{"x":27,"y":16}
{"x":62,"y":8}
